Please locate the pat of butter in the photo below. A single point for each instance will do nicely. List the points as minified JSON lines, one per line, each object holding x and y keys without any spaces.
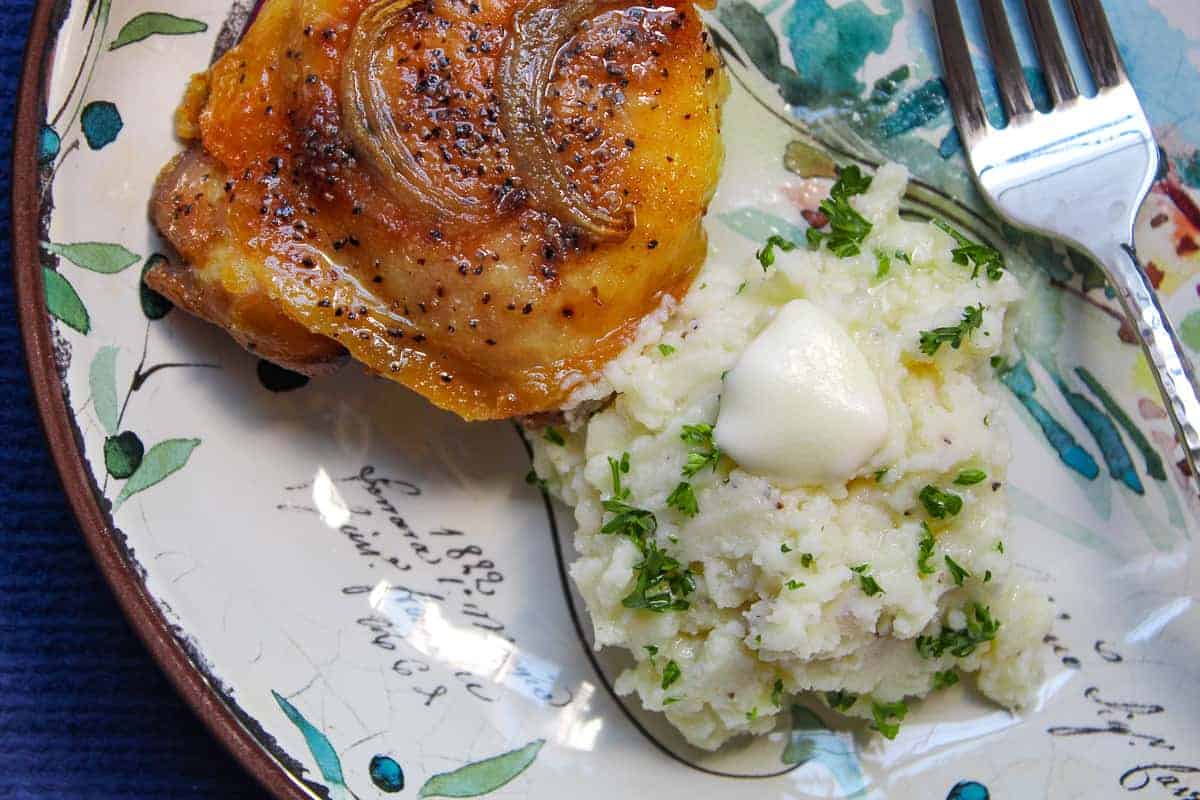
{"x":802,"y":406}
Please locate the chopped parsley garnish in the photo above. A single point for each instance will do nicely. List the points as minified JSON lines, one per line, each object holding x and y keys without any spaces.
{"x":847,"y":228}
{"x":888,"y":717}
{"x":956,"y":571}
{"x":652,"y":649}
{"x":979,"y":256}
{"x":666,"y":349}
{"x":953,"y":335}
{"x":777,"y":693}
{"x":841,"y":700}
{"x":970,"y":477}
{"x":925,"y":551}
{"x":636,"y":523}
{"x":939,"y":504}
{"x":1000,"y":546}
{"x":807,"y":560}
{"x":662,"y":583}
{"x":883,"y":265}
{"x":785,"y":548}
{"x":700,"y":435}
{"x":668,"y":700}
{"x":671,"y":673}
{"x":865,"y":581}
{"x":945,"y":679}
{"x":880,"y":473}
{"x":961,"y":643}
{"x":532,"y":479}
{"x":683,"y":499}
{"x":903,"y":256}
{"x":554,"y":437}
{"x":766,"y":256}
{"x":752,"y":714}
{"x":619,"y":468}
{"x":987,"y":576}
{"x":794,"y":584}
{"x":998,"y":363}
{"x":742,"y":287}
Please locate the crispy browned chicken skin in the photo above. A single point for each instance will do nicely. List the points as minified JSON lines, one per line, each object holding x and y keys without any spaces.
{"x":477,"y":198}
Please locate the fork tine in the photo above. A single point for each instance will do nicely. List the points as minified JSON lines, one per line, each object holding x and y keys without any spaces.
{"x":1098,"y":43}
{"x":1060,"y":83}
{"x":961,"y":83}
{"x":1014,"y":91}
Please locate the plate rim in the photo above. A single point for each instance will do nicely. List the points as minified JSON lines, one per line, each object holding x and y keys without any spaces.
{"x":62,"y":437}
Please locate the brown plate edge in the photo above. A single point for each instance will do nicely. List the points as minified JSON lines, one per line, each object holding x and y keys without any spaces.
{"x":98,"y":532}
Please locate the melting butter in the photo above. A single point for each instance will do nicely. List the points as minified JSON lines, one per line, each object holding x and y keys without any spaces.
{"x":802,"y":406}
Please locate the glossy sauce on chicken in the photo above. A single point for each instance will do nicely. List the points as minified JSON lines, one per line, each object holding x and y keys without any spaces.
{"x":479,"y":199}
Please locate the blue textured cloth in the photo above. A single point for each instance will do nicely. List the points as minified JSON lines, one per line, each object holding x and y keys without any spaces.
{"x":84,"y":712}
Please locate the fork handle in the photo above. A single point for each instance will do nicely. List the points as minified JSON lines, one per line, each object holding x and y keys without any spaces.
{"x":1170,"y":366}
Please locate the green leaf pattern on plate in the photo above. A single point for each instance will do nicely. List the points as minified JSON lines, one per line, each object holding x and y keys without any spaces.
{"x":102,"y":381}
{"x":102,"y":257}
{"x":484,"y":776}
{"x":163,"y":460}
{"x":155,"y":23}
{"x":63,"y":303}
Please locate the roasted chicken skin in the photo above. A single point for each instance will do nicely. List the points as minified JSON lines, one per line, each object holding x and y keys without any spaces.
{"x":479,"y":199}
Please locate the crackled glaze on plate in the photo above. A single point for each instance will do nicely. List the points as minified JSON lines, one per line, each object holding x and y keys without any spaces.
{"x":374,"y":596}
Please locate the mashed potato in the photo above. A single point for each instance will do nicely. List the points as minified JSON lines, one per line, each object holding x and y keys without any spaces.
{"x":737,"y":591}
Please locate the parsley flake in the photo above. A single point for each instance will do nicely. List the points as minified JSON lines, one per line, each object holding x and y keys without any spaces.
{"x":666,"y":349}
{"x":939,"y":504}
{"x":683,"y":500}
{"x":925,"y":551}
{"x":970,"y":477}
{"x":981,"y":627}
{"x":979,"y":256}
{"x":847,"y":227}
{"x":619,"y":468}
{"x":794,"y":584}
{"x":777,"y":693}
{"x":554,"y":437}
{"x":888,"y":717}
{"x":742,"y":287}
{"x":807,"y":560}
{"x":700,"y":435}
{"x":785,"y":548}
{"x":865,"y":582}
{"x":841,"y":700}
{"x":652,"y":649}
{"x":880,"y":473}
{"x":662,"y":583}
{"x":671,"y":674}
{"x":883,"y":265}
{"x":999,"y":546}
{"x":956,"y":571}
{"x":532,"y":479}
{"x":944,"y":679}
{"x":752,"y":714}
{"x":669,"y":700}
{"x":953,"y":335}
{"x":766,"y":256}
{"x":987,"y":576}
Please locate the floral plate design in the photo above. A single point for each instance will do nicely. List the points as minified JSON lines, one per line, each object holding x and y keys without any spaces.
{"x":361,"y":595}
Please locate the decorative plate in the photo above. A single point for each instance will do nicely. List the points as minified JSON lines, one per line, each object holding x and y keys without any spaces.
{"x":360,"y":594}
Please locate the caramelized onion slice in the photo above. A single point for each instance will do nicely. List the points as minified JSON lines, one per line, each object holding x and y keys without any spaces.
{"x":368,"y":119}
{"x":540,"y":29}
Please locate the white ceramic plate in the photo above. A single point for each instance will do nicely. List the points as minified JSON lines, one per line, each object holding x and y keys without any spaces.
{"x":361,"y":595}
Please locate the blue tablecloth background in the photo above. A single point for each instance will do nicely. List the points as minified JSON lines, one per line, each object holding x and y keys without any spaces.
{"x":84,"y":712}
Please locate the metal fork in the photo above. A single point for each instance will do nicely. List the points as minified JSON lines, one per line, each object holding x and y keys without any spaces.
{"x":1078,"y":172}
